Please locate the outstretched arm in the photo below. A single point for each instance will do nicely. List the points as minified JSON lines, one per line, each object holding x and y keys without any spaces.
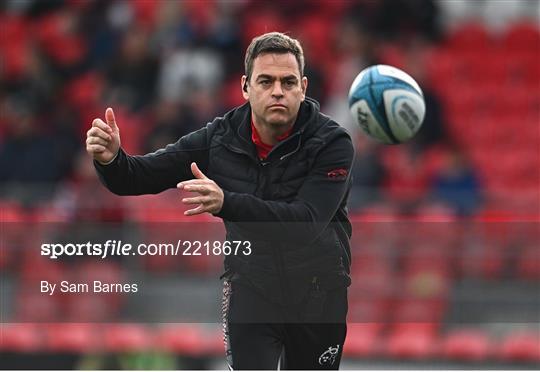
{"x":301,"y":219}
{"x":152,"y":173}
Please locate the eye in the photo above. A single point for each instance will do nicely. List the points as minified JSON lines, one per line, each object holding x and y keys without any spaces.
{"x":265,"y":83}
{"x":290,"y":83}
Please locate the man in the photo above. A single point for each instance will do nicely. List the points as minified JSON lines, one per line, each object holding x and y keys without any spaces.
{"x":276,"y":171}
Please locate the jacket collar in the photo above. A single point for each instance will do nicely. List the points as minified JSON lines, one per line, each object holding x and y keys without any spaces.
{"x":306,"y":123}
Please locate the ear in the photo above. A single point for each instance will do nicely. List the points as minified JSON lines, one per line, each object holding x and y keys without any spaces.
{"x":304,"y":84}
{"x":243,"y":87}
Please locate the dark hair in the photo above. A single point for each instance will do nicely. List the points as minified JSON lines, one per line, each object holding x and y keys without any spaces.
{"x":273,"y":42}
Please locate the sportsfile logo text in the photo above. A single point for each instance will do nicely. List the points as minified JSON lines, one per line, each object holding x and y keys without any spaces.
{"x":118,"y":248}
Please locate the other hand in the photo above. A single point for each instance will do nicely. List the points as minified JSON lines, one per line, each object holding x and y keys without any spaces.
{"x":210,"y":195}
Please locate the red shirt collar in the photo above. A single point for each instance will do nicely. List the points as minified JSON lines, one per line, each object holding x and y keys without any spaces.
{"x":262,"y":148}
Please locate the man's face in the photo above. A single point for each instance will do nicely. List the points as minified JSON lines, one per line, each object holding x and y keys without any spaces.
{"x":275,"y":89}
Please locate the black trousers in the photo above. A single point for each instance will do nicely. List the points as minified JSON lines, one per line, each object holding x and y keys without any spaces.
{"x":259,"y":334}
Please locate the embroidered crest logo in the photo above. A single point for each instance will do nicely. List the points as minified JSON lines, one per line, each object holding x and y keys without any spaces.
{"x":338,"y":174}
{"x":329,"y":356}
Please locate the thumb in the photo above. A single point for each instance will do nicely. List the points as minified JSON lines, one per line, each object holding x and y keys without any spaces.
{"x":109,"y":117}
{"x":197,"y":172}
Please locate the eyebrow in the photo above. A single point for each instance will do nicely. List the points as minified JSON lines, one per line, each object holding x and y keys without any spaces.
{"x":269,"y":77}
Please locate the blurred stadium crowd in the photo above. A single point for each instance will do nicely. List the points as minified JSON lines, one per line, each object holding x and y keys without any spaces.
{"x":168,"y":67}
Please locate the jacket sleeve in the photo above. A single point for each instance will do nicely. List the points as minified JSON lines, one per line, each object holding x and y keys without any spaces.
{"x":158,"y":171}
{"x":304,"y":218}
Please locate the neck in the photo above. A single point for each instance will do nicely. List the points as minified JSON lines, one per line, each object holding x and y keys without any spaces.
{"x":270,"y":134}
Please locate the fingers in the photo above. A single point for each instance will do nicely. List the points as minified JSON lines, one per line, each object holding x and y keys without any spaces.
{"x":192,"y":185}
{"x":197,"y":200}
{"x":97,"y":141}
{"x":201,"y":189}
{"x":210,"y":198}
{"x":191,"y":212}
{"x":197,"y":172}
{"x":98,"y":123}
{"x":206,"y":201}
{"x":95,"y":149}
{"x":109,"y":117}
{"x":204,"y":205}
{"x":95,"y":132}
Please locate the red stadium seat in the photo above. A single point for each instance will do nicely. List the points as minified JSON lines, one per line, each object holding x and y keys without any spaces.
{"x":232,"y":96}
{"x":523,"y":68}
{"x":106,"y":271}
{"x":200,"y":12}
{"x":483,"y":261}
{"x":14,"y":46}
{"x":316,"y":32}
{"x":213,"y":341}
{"x":521,"y":346}
{"x":37,"y":268}
{"x":71,"y":337}
{"x":427,"y":282}
{"x":84,"y":90}
{"x":431,"y":328}
{"x":363,"y":340}
{"x":371,"y":258}
{"x":30,"y":305}
{"x":528,"y":265}
{"x":260,"y":20}
{"x":466,"y":345}
{"x":65,"y":47}
{"x":367,"y":310}
{"x":410,"y":343}
{"x":373,"y":283}
{"x":375,"y":214}
{"x":11,"y":212}
{"x":418,"y":310}
{"x":14,"y":29}
{"x":471,"y":36}
{"x":182,"y":339}
{"x":423,"y":258}
{"x":126,"y":337}
{"x":522,"y":36}
{"x":20,"y":337}
{"x":5,"y":257}
{"x":88,"y":307}
{"x":145,"y":12}
{"x":440,"y":66}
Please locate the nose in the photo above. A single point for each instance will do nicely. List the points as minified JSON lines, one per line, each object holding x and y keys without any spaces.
{"x":277,"y":91}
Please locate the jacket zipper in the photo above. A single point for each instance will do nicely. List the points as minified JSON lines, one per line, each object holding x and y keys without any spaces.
{"x":276,"y":249}
{"x":242,"y":152}
{"x":285,"y":141}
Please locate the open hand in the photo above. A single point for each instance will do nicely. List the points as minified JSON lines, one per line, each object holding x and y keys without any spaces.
{"x":210,"y":198}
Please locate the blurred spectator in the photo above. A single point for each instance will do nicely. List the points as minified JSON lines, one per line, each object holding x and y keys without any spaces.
{"x":456,"y":184}
{"x":407,"y":177}
{"x":173,"y":120}
{"x":32,"y":160}
{"x":36,"y":83}
{"x":434,"y":128}
{"x":133,"y":73}
{"x":188,"y":71}
{"x":494,"y":14}
{"x":73,"y":200}
{"x":368,"y":173}
{"x":355,"y":50}
{"x":399,"y":20}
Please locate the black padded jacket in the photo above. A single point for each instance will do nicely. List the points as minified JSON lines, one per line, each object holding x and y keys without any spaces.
{"x":291,"y":206}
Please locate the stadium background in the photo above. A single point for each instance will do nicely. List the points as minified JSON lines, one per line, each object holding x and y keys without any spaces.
{"x":446,"y":261}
